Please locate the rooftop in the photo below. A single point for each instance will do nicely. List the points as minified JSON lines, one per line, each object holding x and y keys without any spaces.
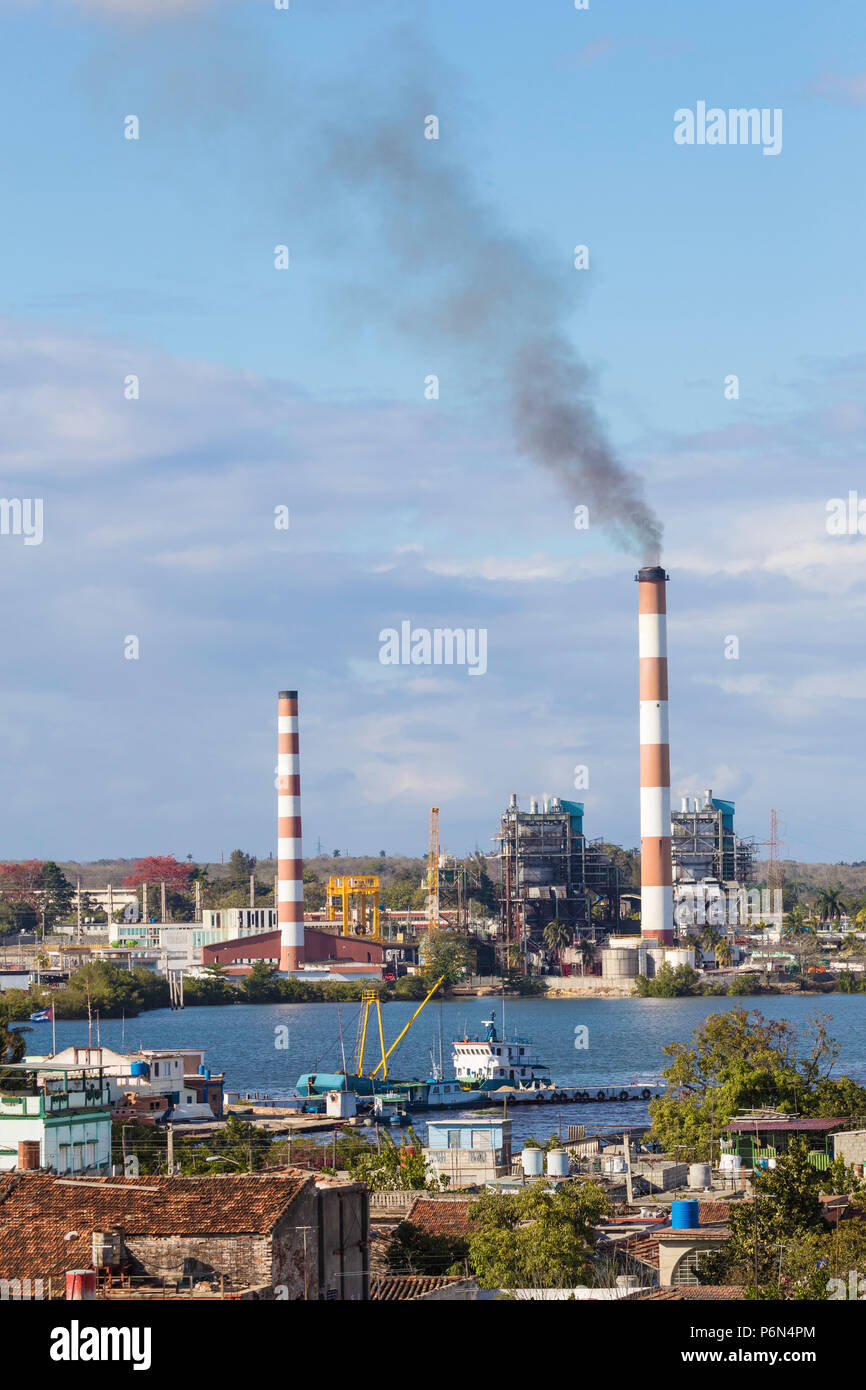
{"x":399,"y":1288}
{"x":38,"y":1210}
{"x":441,"y":1216}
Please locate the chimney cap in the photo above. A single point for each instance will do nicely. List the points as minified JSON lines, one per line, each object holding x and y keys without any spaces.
{"x":288,"y":694}
{"x":649,"y":573}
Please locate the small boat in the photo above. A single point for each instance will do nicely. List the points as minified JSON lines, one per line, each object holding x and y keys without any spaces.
{"x":388,"y":1108}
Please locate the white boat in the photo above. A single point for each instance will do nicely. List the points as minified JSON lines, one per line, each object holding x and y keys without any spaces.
{"x":441,"y":1094}
{"x":492,"y":1062}
{"x":506,"y":1069}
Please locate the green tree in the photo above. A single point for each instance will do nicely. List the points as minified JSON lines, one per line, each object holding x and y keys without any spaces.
{"x":395,"y":1167}
{"x":446,"y":953}
{"x":58,"y":894}
{"x":784,"y":1208}
{"x":669,"y":982}
{"x":241,"y":866}
{"x":741,"y":1060}
{"x":12,"y":1043}
{"x":261,"y":985}
{"x":557,"y":935}
{"x":535,"y":1238}
{"x":415,"y":1251}
{"x":587,"y":953}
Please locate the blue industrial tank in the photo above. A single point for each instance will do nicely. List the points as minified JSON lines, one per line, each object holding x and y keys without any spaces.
{"x":685,"y":1215}
{"x":138,"y":1069}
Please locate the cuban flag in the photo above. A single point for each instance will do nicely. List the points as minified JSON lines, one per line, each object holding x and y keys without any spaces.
{"x":44,"y":1015}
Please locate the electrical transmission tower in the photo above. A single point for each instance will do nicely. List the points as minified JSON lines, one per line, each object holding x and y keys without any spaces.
{"x":774,"y":858}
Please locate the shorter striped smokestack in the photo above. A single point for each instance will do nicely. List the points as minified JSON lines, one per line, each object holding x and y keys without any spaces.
{"x":290,"y":864}
{"x":657,"y":914}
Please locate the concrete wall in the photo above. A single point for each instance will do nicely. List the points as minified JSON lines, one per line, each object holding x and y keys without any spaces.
{"x":851,"y":1146}
{"x":245,"y":1259}
{"x":343,"y":1250}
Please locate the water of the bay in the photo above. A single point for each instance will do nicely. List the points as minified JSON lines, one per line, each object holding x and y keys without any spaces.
{"x":625,"y":1041}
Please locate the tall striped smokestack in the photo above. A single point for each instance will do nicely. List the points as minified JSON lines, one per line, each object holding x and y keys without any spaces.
{"x":657,"y":913}
{"x":290,"y":865}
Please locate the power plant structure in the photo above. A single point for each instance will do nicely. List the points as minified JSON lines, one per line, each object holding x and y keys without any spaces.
{"x":290,"y":863}
{"x":705,"y":846}
{"x":712,"y":866}
{"x":657,"y":910}
{"x":548,"y":871}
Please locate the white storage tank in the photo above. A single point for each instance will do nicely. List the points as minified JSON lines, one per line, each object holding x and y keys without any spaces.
{"x":533,"y":1162}
{"x":558,"y":1164}
{"x":619,"y":964}
{"x":614,"y":1164}
{"x":731,"y":1163}
{"x":700,"y":1176}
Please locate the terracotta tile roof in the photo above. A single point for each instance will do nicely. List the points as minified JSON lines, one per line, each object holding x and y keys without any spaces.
{"x":37,"y":1210}
{"x":713,"y":1211}
{"x":441,"y":1216}
{"x":640,"y":1247}
{"x":380,"y":1238}
{"x":398,"y":1288}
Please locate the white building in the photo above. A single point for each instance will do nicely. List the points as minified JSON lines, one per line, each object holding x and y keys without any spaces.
{"x":179,"y":1074}
{"x":57,"y":1118}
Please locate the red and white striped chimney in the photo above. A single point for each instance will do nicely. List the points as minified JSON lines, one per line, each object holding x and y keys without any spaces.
{"x":657,"y":913}
{"x":290,"y":864}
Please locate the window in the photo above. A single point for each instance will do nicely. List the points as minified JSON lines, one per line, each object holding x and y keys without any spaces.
{"x":686,"y":1268}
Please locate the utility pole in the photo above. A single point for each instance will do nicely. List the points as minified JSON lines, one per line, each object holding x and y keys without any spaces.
{"x":169,"y":1154}
{"x":78,"y":914}
{"x":162,"y":901}
{"x":252,"y":889}
{"x":628,"y":1188}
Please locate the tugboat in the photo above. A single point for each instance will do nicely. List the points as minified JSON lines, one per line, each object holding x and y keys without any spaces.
{"x":492,"y":1063}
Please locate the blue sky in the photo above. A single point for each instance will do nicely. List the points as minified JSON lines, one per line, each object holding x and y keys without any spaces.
{"x":305,"y":388}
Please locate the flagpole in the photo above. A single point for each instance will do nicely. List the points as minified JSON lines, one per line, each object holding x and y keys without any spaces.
{"x":53,"y":1034}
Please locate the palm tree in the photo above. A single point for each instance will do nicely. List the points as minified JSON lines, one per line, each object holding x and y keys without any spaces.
{"x":557,"y":935}
{"x":829,"y":903}
{"x":587,"y":953}
{"x":709,"y":938}
{"x":722,"y":951}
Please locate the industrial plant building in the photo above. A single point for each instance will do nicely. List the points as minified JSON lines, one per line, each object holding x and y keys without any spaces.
{"x":712,"y":866}
{"x":549,"y":870}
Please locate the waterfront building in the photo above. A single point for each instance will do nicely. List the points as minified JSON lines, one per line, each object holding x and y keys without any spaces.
{"x":468,"y":1152}
{"x":57,"y":1116}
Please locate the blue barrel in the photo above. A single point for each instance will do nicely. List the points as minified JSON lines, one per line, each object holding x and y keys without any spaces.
{"x":138,"y":1069}
{"x":685,"y":1215}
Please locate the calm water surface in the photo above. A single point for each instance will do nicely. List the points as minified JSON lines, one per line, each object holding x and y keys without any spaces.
{"x":626,"y":1037}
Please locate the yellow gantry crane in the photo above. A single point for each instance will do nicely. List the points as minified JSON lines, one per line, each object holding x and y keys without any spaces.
{"x":370,"y":1000}
{"x":358,"y":895}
